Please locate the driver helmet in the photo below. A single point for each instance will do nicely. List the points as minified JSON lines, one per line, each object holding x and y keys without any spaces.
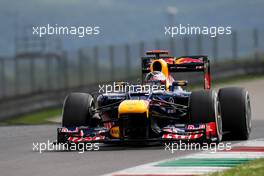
{"x":155,"y":78}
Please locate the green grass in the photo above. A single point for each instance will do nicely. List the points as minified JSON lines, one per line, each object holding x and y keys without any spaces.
{"x":39,"y":117}
{"x":252,"y":168}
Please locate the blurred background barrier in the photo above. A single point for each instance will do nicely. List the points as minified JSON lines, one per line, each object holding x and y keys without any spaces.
{"x":40,"y":78}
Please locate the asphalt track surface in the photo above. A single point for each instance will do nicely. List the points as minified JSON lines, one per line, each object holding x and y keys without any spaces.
{"x":18,"y":158}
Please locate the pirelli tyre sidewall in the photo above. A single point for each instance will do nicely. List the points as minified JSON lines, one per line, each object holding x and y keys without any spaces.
{"x":236,"y":112}
{"x":77,"y":109}
{"x":205,"y":108}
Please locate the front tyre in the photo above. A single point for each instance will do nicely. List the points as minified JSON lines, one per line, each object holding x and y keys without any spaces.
{"x":77,"y":110}
{"x":205,"y":108}
{"x":236,"y":112}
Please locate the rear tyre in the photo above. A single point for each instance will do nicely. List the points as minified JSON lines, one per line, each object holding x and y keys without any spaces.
{"x":205,"y":108}
{"x":77,"y":110}
{"x":236,"y":112}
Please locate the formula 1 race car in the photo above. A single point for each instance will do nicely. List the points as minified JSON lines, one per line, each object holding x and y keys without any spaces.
{"x":159,"y":109}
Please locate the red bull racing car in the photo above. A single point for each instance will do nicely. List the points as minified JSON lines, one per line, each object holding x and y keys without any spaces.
{"x":159,"y":109}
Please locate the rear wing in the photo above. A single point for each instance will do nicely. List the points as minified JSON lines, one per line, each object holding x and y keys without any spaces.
{"x":193,"y":64}
{"x":199,"y":63}
{"x":155,"y":55}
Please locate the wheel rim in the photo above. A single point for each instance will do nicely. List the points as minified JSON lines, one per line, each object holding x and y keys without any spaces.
{"x":248,"y":113}
{"x":218,"y":118}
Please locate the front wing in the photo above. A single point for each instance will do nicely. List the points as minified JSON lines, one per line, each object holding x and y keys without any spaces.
{"x":173,"y":133}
